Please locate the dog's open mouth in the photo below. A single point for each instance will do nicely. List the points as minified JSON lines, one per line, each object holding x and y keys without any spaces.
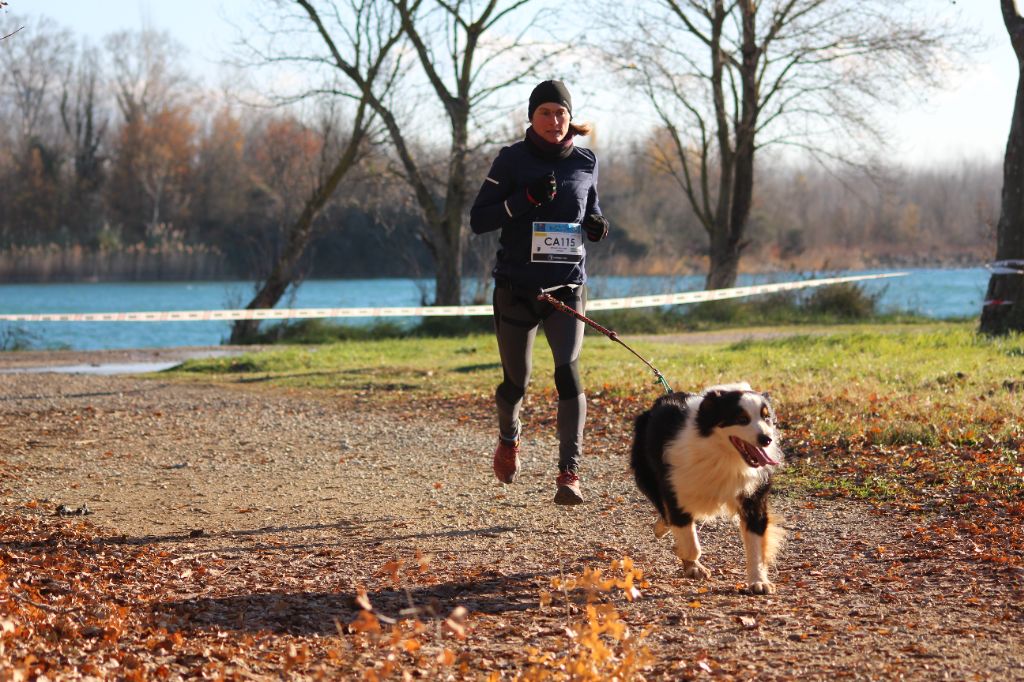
{"x":754,"y":456}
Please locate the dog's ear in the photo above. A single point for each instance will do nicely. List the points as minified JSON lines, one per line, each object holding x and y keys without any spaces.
{"x":712,"y":411}
{"x":767,"y":397}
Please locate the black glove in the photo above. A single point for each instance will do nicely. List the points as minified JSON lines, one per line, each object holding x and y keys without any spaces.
{"x":596,"y":227}
{"x":542,"y":190}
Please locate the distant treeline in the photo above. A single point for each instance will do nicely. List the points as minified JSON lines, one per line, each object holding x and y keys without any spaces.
{"x":114,"y":166}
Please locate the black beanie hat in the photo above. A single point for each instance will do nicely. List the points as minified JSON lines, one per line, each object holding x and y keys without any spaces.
{"x":550,"y":91}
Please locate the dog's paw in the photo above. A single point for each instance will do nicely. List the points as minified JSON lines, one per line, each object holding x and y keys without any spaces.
{"x":761,"y":588}
{"x":661,"y":528}
{"x":695,"y":570}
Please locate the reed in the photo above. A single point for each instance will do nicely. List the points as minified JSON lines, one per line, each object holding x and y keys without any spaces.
{"x":138,"y":262}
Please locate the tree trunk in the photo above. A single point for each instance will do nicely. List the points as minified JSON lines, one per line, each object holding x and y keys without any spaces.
{"x":724,"y":264}
{"x":737,"y":180}
{"x":448,"y":276}
{"x":1003,"y":310}
{"x":727,"y":241}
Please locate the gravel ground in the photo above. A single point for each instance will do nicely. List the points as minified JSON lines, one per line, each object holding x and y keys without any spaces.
{"x":272,"y":481}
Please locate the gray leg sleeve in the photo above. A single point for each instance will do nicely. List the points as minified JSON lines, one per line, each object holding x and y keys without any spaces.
{"x":515,"y":326}
{"x":572,"y":414}
{"x":565,"y":336}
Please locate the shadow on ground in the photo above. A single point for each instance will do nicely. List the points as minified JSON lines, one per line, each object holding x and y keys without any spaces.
{"x":321,"y":613}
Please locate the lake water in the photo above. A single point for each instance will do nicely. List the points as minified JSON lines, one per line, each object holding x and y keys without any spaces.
{"x":936,"y":293}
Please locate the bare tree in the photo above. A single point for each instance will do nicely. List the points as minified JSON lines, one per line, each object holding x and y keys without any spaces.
{"x":145,"y":72}
{"x":365,"y":60}
{"x":85,"y":125}
{"x":30,"y":135}
{"x":150,"y":154}
{"x":1004,"y":302}
{"x":464,"y":66}
{"x":30,"y":69}
{"x":464,"y":25}
{"x":728,"y":78}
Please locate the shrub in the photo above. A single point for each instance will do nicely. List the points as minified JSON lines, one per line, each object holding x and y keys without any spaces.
{"x":847,"y":301}
{"x":453,"y":326}
{"x":319,"y":331}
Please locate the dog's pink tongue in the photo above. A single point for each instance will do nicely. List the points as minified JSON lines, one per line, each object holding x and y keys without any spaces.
{"x":761,"y":456}
{"x":756,"y":457}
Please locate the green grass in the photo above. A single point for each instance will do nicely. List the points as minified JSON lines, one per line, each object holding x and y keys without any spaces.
{"x":443,"y":365}
{"x":939,"y":357}
{"x":938,"y":369}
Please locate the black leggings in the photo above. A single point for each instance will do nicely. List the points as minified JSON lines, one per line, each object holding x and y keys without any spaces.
{"x":516,"y":318}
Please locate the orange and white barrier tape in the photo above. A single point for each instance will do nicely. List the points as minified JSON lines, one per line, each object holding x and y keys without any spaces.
{"x":426,"y":311}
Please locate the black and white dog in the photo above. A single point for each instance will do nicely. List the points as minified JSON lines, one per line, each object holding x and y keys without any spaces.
{"x":697,"y":456}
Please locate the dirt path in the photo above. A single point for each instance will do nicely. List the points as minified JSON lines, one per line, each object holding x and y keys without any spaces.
{"x":300,"y":499}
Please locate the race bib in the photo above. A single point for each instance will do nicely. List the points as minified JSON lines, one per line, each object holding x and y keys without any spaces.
{"x":556,"y":243}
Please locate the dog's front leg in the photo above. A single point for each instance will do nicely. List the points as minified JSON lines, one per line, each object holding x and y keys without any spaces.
{"x":687,"y":548}
{"x":757,"y":564}
{"x":758,"y":537}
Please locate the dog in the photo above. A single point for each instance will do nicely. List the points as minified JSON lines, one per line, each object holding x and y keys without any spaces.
{"x":699,"y":456}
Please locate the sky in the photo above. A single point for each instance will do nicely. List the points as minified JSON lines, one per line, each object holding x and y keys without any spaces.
{"x":968,"y":120}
